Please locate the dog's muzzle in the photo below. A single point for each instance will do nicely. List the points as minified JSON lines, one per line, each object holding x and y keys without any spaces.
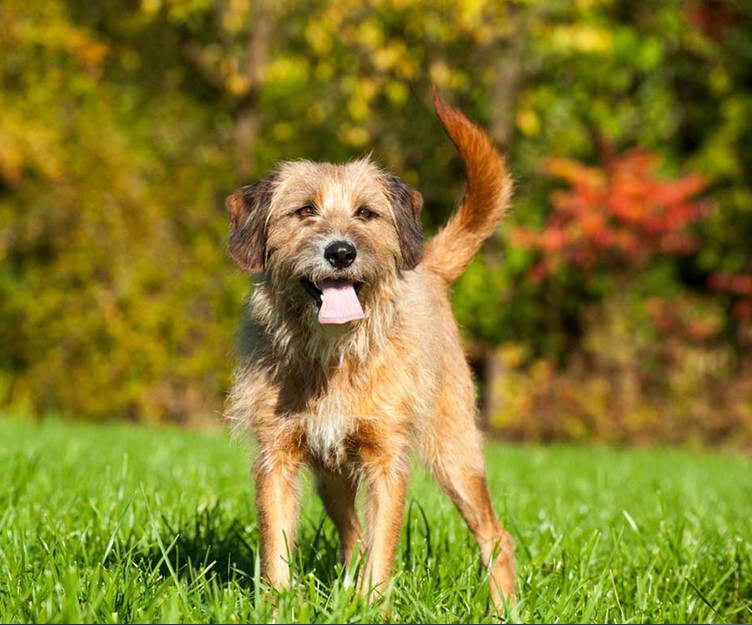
{"x":312,"y":290}
{"x":340,"y":254}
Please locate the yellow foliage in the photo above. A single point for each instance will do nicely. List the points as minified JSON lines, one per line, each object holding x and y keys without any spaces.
{"x":585,"y":38}
{"x":439,"y":73}
{"x":396,"y":91}
{"x":285,"y":69}
{"x":528,"y":121}
{"x":356,"y":136}
{"x":319,"y":38}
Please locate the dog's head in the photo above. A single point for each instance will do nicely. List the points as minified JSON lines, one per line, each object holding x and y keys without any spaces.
{"x":325,"y":234}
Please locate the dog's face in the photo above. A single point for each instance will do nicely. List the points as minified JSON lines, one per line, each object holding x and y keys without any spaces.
{"x":328,"y":233}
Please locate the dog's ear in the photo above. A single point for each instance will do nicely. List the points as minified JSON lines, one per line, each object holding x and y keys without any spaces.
{"x":248,"y":209}
{"x":407,"y":203}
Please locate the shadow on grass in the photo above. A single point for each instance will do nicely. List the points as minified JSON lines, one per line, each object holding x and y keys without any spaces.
{"x":209,"y":545}
{"x":204,"y":545}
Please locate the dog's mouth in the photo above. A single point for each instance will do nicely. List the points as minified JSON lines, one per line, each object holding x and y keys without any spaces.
{"x":337,"y":300}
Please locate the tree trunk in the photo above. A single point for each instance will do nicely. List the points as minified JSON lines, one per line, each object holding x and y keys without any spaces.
{"x":505,"y":90}
{"x":247,"y":114}
{"x":494,"y":371}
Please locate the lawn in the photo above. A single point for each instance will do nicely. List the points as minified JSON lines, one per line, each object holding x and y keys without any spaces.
{"x":124,"y":524}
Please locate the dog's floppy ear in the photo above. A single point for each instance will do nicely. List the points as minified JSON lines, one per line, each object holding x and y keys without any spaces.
{"x":248,"y":208}
{"x":407,"y":203}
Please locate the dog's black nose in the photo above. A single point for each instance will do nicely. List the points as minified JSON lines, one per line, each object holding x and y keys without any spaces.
{"x":340,"y":254}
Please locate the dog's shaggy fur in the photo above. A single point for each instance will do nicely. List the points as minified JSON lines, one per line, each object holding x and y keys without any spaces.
{"x":351,"y":400}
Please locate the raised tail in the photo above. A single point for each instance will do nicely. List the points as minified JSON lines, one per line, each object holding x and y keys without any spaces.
{"x":487,"y":192}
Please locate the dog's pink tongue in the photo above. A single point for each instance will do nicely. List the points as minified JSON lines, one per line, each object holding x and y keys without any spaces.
{"x":339,"y":303}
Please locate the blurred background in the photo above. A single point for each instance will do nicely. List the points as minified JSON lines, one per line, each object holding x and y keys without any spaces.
{"x":615,"y":303}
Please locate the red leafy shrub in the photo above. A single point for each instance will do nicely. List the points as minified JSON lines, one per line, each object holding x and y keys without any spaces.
{"x":621,"y":213}
{"x":649,"y":361}
{"x":740,"y":287}
{"x":713,"y":17}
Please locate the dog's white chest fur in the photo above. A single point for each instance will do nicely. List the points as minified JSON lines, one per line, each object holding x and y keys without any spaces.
{"x":326,"y":434}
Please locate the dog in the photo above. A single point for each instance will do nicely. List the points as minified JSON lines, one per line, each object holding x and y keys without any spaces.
{"x":351,"y":356}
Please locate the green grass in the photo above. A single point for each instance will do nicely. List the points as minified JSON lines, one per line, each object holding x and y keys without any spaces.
{"x":124,"y":524}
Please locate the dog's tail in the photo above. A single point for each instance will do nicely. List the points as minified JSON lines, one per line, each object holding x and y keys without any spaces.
{"x":487,"y":193}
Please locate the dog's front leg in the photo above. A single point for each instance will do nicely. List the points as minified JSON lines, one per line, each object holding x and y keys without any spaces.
{"x":277,"y":503}
{"x":386,"y":479}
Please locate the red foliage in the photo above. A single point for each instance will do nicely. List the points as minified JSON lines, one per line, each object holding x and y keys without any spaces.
{"x":739,"y":285}
{"x":672,"y":317}
{"x":712,"y":17}
{"x":621,"y":212}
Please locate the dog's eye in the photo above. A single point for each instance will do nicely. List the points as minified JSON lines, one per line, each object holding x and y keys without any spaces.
{"x":365,"y":213}
{"x":306,"y":211}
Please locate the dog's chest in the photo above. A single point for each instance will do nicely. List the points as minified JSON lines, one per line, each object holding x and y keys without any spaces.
{"x":338,"y":425}
{"x":328,"y":436}
{"x":341,"y":411}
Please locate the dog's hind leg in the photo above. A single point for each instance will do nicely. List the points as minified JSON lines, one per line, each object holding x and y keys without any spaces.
{"x":453,"y":451}
{"x":338,"y":492}
{"x":469,"y":492}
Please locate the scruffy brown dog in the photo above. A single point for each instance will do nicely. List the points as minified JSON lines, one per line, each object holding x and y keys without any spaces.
{"x":351,"y":355}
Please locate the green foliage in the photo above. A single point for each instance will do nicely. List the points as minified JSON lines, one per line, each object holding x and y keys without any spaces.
{"x":112,"y":237}
{"x":123,"y":126}
{"x":122,"y":524}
